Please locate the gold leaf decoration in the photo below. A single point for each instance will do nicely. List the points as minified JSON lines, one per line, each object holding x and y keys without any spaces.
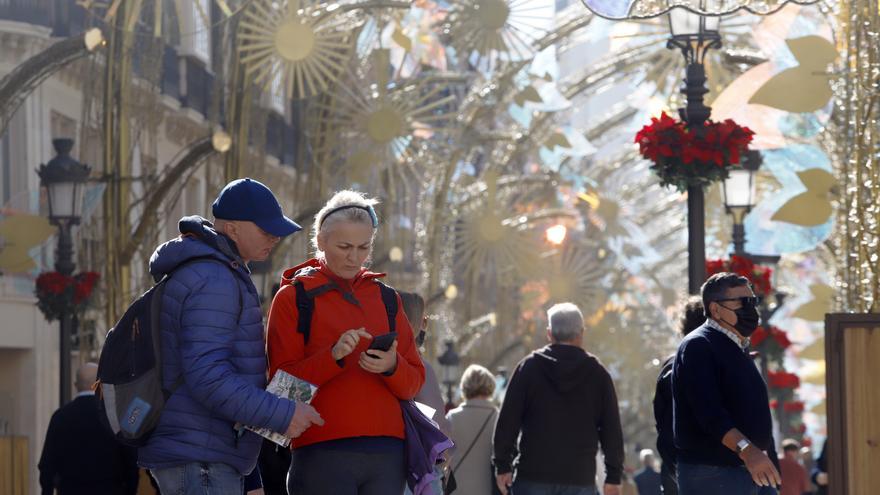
{"x":529,"y":93}
{"x":557,"y":139}
{"x":402,"y":39}
{"x":18,"y":235}
{"x":296,"y":40}
{"x":805,"y":88}
{"x":814,"y":351}
{"x":815,"y":309}
{"x":810,"y":208}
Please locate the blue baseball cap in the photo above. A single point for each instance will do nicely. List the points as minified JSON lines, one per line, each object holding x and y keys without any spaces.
{"x":250,"y":200}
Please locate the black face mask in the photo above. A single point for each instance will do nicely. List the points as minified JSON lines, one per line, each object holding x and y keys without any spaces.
{"x":747,"y":319}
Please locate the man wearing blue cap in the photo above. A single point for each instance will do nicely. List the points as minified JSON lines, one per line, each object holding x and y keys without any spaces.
{"x":213,"y":352}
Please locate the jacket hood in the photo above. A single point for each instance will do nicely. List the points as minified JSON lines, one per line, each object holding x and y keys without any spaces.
{"x":566,"y":366}
{"x":314,"y":273}
{"x":197,"y":239}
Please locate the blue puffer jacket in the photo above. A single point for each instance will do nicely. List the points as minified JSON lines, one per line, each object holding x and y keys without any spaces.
{"x":213,"y":337}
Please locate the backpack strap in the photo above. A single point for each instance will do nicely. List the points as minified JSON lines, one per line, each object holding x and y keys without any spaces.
{"x":305,"y":306}
{"x":389,"y":299}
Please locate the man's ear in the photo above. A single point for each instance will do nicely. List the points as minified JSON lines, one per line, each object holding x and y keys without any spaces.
{"x":321,"y":241}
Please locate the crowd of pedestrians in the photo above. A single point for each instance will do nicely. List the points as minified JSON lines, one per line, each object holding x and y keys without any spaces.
{"x":334,"y":324}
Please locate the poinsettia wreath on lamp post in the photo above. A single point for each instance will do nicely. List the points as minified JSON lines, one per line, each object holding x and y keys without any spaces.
{"x":684,"y":157}
{"x":58,"y":294}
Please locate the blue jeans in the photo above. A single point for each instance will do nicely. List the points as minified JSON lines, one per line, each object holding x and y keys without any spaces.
{"x":524,"y":487}
{"x":199,"y":478}
{"x":701,"y":479}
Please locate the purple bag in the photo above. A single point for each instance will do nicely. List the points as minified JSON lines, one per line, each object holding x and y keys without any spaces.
{"x":424,"y":447}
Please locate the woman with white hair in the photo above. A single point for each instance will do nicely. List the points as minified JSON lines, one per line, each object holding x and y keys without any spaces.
{"x":360,"y":448}
{"x":472,"y":424}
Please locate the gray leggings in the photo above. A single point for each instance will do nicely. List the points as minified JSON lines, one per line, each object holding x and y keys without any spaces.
{"x":318,"y":470}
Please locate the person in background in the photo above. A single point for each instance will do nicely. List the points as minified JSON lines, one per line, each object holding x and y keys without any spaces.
{"x":794,"y":476}
{"x":360,"y":448}
{"x":81,"y":456}
{"x":648,"y":479}
{"x":691,"y":318}
{"x":429,"y":394}
{"x":559,"y":406}
{"x":721,"y":414}
{"x":472,"y":423}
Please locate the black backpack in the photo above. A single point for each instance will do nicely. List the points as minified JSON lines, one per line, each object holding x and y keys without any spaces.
{"x":129,"y":387}
{"x":305,"y":305}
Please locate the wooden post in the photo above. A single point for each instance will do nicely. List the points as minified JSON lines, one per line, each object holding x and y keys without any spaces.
{"x":852,"y":347}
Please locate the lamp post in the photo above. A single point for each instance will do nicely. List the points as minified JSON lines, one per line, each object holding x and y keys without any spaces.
{"x":739,"y":199}
{"x":449,"y":364}
{"x":694,"y":34}
{"x":64,"y":179}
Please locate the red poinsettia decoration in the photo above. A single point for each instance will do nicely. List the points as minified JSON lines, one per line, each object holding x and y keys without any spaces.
{"x":760,"y":276}
{"x":782,"y":379}
{"x":58,"y":293}
{"x":778,"y":337}
{"x":793,"y":406}
{"x":692,"y":157}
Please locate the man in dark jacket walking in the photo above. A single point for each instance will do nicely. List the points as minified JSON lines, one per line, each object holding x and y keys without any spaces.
{"x":80,"y":456}
{"x":212,"y":340}
{"x":721,"y":414}
{"x":561,"y":404}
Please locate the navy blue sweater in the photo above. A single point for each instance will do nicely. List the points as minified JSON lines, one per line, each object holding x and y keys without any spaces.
{"x":715,"y":387}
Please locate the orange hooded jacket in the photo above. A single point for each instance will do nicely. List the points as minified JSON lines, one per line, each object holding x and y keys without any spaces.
{"x":353,"y":402}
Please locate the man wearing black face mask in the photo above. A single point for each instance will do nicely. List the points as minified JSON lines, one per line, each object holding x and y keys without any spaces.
{"x":721,"y":412}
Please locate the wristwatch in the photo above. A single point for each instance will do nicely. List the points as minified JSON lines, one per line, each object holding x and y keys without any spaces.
{"x":742,"y":445}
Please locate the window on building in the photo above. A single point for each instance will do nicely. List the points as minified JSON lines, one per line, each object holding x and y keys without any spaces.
{"x":195,"y":26}
{"x":276,"y":90}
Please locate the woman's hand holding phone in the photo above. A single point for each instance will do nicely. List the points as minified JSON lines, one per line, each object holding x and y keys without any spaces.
{"x":348,"y":341}
{"x":377,"y":361}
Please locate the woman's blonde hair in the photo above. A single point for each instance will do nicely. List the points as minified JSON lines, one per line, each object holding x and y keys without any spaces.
{"x":477,"y":381}
{"x":359,"y":213}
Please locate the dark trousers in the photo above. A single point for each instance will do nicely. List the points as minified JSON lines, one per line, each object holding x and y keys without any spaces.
{"x":668,"y":482}
{"x":319,"y":470}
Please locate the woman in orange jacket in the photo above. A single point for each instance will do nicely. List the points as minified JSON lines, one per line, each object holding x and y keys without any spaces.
{"x":359,"y":450}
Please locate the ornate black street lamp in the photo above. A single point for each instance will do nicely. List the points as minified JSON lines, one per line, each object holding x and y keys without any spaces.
{"x":740,"y":195}
{"x":64,"y":179}
{"x":694,"y":35}
{"x":449,"y":369}
{"x":739,"y":199}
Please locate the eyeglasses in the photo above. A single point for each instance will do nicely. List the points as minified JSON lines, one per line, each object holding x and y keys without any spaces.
{"x":745,"y":301}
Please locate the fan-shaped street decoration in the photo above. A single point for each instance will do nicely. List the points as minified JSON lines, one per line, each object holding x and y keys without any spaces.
{"x":487,"y":239}
{"x":300,"y":41}
{"x":485,"y":31}
{"x":577,"y":276}
{"x":381,"y":124}
{"x":18,"y":235}
{"x":642,"y":9}
{"x":805,"y":88}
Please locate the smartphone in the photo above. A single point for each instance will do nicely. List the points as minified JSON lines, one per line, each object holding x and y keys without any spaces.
{"x":383,"y":342}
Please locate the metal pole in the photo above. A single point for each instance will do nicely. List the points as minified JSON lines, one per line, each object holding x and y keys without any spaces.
{"x":696,"y":239}
{"x":64,"y":265}
{"x":695,"y":115}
